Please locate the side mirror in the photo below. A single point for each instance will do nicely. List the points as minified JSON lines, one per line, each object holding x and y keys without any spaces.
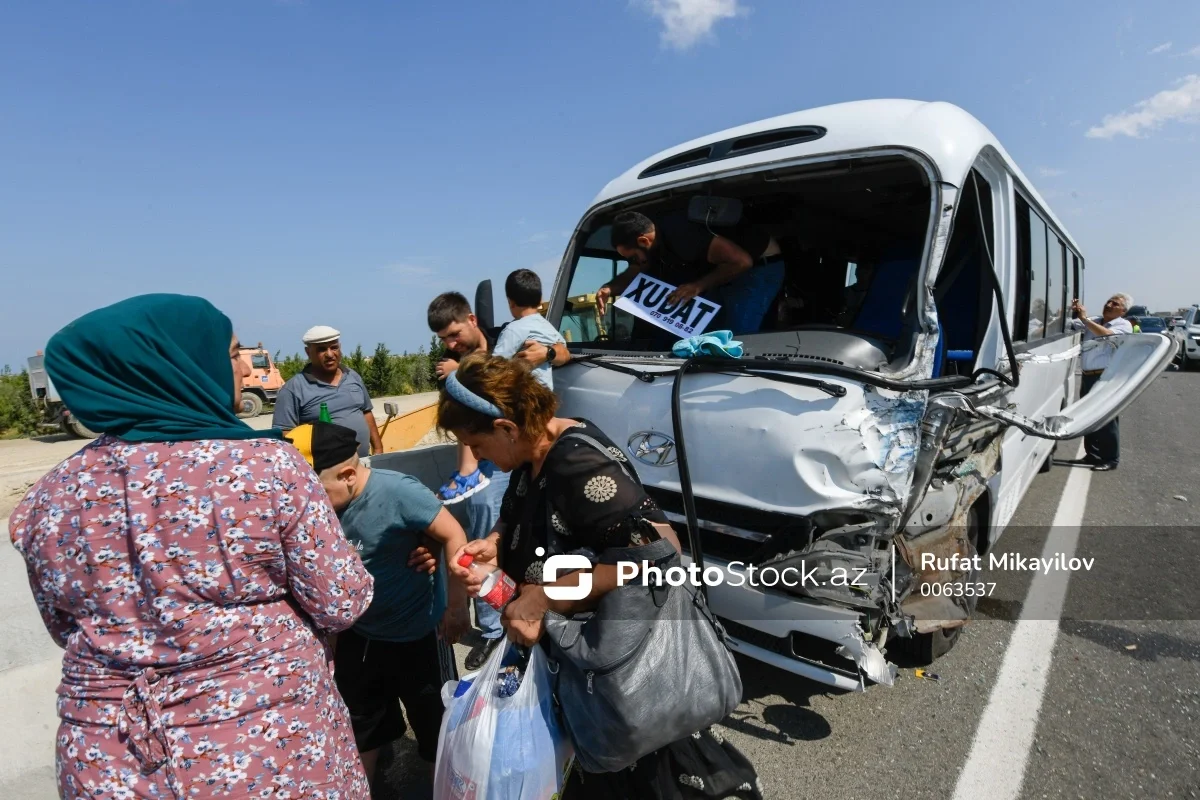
{"x":483,"y":306}
{"x":391,"y":409}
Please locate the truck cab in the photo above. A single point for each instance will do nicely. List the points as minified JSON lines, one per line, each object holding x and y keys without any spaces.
{"x":263,"y":384}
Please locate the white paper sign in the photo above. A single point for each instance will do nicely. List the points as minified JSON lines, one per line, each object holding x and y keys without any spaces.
{"x":646,"y":298}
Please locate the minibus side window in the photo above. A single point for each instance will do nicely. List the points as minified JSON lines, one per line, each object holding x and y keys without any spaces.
{"x":1071,"y":264}
{"x":1020,"y":328}
{"x":1078,"y":276}
{"x":1037,"y":277}
{"x":1057,"y":284}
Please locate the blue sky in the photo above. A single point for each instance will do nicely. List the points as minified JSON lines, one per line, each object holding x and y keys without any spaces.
{"x":318,"y":162}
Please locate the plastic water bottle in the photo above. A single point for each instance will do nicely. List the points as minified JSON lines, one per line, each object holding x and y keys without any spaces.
{"x":497,"y":588}
{"x":325,"y":416}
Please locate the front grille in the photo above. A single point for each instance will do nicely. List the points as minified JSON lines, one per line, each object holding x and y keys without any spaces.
{"x":733,"y":547}
{"x":726,"y":548}
{"x":725,"y":513}
{"x":775,"y":644}
{"x":797,"y":645}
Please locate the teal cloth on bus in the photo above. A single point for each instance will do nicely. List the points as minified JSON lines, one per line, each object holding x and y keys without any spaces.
{"x":153,"y":368}
{"x":714,"y":343}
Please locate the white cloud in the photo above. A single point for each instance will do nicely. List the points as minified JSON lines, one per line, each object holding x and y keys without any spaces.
{"x":686,"y":22}
{"x":1051,"y":172}
{"x":1162,"y":48}
{"x":1194,"y":52}
{"x":1181,"y":103}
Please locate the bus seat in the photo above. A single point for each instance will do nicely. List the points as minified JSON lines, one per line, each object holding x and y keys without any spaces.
{"x":880,"y":312}
{"x":958,"y":304}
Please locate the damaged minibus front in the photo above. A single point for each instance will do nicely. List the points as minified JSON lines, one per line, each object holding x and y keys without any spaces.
{"x":876,"y":415}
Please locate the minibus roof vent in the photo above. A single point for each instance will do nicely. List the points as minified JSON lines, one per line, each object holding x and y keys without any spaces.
{"x":739,"y":146}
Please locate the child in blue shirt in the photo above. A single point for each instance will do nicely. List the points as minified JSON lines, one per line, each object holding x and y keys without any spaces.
{"x":523,"y":288}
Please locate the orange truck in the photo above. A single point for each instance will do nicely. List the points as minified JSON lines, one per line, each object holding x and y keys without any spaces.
{"x":264,"y":382}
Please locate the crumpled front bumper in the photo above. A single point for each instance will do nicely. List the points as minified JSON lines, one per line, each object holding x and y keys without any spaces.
{"x":763,"y":623}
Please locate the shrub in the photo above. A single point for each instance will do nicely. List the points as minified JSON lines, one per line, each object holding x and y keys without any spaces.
{"x":18,"y":414}
{"x":356,"y":361}
{"x":291,"y":366}
{"x":383,"y":373}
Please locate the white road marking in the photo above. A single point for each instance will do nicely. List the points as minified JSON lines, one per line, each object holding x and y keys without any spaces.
{"x":995,"y":767}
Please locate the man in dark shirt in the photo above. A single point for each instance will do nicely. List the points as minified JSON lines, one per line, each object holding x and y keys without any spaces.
{"x":742,"y":270}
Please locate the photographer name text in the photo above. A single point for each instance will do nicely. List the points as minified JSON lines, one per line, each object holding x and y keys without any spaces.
{"x":1009,"y":562}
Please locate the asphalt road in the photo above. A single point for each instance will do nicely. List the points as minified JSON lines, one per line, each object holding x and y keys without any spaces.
{"x":1109,"y":695}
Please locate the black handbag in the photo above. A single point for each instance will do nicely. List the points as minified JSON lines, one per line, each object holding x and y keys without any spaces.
{"x":648,"y":667}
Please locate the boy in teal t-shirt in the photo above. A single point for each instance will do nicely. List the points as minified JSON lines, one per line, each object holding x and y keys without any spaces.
{"x":398,"y":651}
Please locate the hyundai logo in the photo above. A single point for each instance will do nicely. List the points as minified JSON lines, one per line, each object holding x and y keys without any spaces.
{"x":653,"y":448}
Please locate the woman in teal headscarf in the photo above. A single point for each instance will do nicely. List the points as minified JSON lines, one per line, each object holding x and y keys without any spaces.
{"x":152,"y":369}
{"x":189,"y":566}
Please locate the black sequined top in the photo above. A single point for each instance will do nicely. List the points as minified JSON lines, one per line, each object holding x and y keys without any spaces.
{"x":584,"y":494}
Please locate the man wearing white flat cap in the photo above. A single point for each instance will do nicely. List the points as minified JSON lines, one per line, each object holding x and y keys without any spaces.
{"x":325,"y":380}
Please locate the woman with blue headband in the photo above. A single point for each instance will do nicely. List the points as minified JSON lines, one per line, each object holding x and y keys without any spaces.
{"x":190,"y":566}
{"x":571,"y":489}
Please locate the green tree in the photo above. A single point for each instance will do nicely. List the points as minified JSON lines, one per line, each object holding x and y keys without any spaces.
{"x":18,"y":414}
{"x":378,"y":374}
{"x":291,"y":366}
{"x":437,"y":351}
{"x":357,"y":360}
{"x":423,"y":375}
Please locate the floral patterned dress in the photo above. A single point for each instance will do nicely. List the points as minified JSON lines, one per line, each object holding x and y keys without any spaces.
{"x":188,"y":582}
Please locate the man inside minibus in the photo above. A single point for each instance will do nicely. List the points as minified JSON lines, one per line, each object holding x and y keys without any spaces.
{"x":742,"y":270}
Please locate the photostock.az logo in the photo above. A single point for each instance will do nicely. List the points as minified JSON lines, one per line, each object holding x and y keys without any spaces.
{"x":566,"y":563}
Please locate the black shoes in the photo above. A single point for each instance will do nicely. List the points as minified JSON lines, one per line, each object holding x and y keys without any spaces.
{"x":1096,"y":465}
{"x":480,"y":652}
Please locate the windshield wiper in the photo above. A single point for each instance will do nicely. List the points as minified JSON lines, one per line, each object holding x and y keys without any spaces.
{"x":593,"y":359}
{"x":832,"y":389}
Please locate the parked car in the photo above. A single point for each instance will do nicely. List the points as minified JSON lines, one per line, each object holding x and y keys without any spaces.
{"x":1187,"y":333}
{"x":1152,"y":324}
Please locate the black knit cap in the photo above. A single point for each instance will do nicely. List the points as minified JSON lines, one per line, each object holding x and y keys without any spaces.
{"x":324,"y":444}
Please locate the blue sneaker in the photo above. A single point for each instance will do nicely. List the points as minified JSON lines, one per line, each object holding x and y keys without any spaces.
{"x":459,"y":488}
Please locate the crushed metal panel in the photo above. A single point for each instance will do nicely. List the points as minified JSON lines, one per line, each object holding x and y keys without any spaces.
{"x":965,"y":483}
{"x":888,"y":426}
{"x":1137,"y":360}
{"x":868,"y":658}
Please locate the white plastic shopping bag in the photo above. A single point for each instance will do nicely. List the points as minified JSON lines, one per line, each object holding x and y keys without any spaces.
{"x":501,"y":748}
